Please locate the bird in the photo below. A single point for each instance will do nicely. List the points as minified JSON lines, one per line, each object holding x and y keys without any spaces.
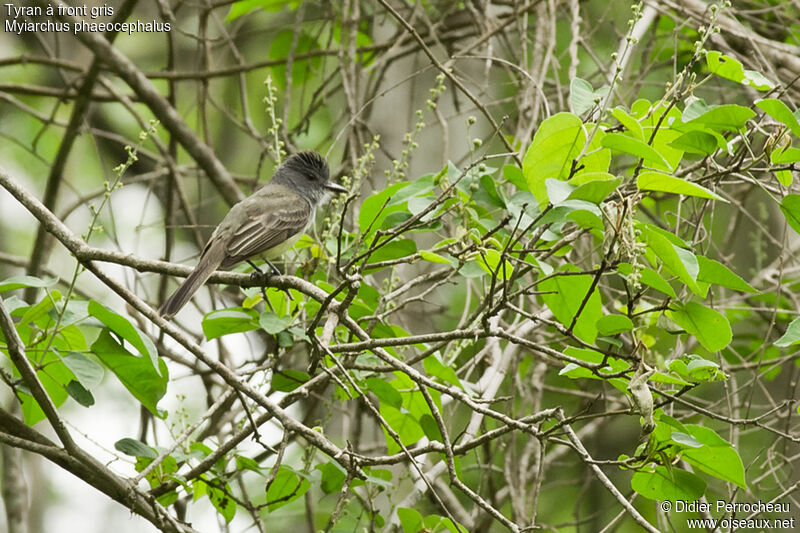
{"x":266,"y":223}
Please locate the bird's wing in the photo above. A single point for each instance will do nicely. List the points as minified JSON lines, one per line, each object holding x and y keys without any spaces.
{"x":272,"y":219}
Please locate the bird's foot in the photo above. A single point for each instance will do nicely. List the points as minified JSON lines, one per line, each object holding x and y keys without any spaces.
{"x":258,"y":276}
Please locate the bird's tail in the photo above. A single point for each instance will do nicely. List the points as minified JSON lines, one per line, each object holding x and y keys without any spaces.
{"x":210,"y":260}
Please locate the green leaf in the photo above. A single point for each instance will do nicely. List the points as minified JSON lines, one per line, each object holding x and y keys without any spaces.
{"x":245,"y":463}
{"x":716,"y":457}
{"x":656,"y":181}
{"x":614,"y":324}
{"x":649,"y":277}
{"x":567,"y":292}
{"x":566,"y":209}
{"x":287,"y":487}
{"x":385,"y":392}
{"x":784,"y":156}
{"x":514,"y":175}
{"x":790,"y":207}
{"x":708,"y":326}
{"x":333,"y":477}
{"x":404,"y":424}
{"x":593,"y":187}
{"x":243,"y":7}
{"x":135,"y":448}
{"x":226,"y":321}
{"x":41,"y":309}
{"x":653,"y":279}
{"x":696,"y":369}
{"x":168,"y":498}
{"x":629,"y":145}
{"x":272,"y":323}
{"x":731,"y":69}
{"x":697,"y":142}
{"x":288,"y":379}
{"x":19,"y":282}
{"x":413,"y":400}
{"x":86,"y":370}
{"x":393,"y":200}
{"x":493,"y":263}
{"x":79,"y":393}
{"x":702,"y":370}
{"x":780,"y":112}
{"x":145,"y":382}
{"x":394,"y":249}
{"x":629,"y":121}
{"x":792,"y":335}
{"x":13,"y":303}
{"x":161,"y":472}
{"x":784,"y":177}
{"x":71,"y":338}
{"x":286,"y":338}
{"x":380,"y":477}
{"x":715,"y":272}
{"x":684,"y":439}
{"x":430,"y":427}
{"x":54,"y":376}
{"x":219,"y":498}
{"x":584,"y":354}
{"x":661,"y":377}
{"x":575,"y":371}
{"x":679,"y":261}
{"x":706,"y":436}
{"x":556,"y":143}
{"x":376,"y":207}
{"x":582,"y":96}
{"x":670,"y":424}
{"x":410,"y":519}
{"x":433,"y":257}
{"x":435,"y":368}
{"x":440,"y":524}
{"x":653,"y":119}
{"x":672,"y":484}
{"x":557,"y":190}
{"x":487,"y":194}
{"x":671,"y":237}
{"x":125,"y":329}
{"x":728,"y":117}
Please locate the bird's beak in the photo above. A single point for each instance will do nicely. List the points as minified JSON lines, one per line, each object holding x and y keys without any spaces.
{"x":335,"y":187}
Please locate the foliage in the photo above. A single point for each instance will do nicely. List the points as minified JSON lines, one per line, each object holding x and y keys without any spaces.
{"x":597,"y":287}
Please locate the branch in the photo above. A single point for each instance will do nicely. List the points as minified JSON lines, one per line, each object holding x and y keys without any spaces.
{"x":159,"y":105}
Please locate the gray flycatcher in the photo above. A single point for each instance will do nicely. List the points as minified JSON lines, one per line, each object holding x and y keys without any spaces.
{"x":266,"y":223}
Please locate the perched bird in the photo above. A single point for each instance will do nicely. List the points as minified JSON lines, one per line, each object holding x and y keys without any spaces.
{"x":266,"y":223}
